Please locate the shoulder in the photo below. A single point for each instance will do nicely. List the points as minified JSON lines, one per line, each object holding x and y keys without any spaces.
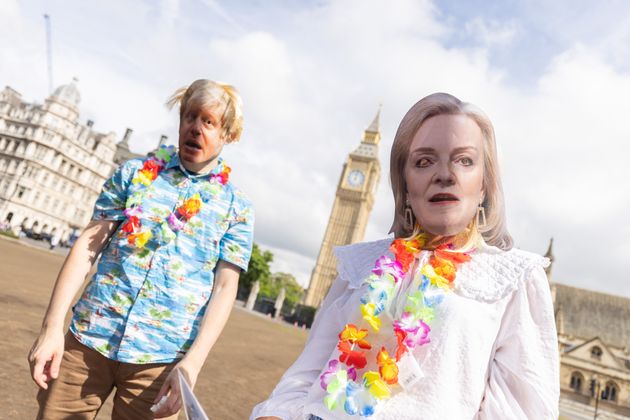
{"x":240,"y":200}
{"x":493,"y":274}
{"x":355,"y":262}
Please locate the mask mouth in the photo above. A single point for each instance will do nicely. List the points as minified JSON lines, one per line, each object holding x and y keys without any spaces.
{"x":192,"y":144}
{"x":443,"y":198}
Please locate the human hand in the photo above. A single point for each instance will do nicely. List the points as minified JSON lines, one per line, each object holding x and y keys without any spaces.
{"x":172,"y":391}
{"x":45,"y":356}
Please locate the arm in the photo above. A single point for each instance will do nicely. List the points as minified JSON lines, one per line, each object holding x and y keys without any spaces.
{"x":288,"y":398}
{"x":215,"y":318}
{"x":45,"y":355}
{"x":523,"y":382}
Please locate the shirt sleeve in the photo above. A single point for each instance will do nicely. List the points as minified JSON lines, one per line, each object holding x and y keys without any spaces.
{"x":236,"y":244}
{"x":289,"y":397}
{"x":523,"y":381}
{"x":111,"y":203}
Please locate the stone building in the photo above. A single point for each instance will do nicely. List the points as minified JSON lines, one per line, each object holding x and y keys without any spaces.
{"x":352,"y":206}
{"x":594,"y":344}
{"x":52,"y":166}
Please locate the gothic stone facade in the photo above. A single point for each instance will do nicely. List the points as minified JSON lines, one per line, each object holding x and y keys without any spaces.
{"x":350,"y":212}
{"x":594,"y":343}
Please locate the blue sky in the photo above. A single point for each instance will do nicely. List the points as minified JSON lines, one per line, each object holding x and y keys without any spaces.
{"x":554,"y":78}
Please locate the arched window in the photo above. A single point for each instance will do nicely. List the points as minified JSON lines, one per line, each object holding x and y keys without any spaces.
{"x":596,"y":353}
{"x":576,"y":381}
{"x":610,"y":391}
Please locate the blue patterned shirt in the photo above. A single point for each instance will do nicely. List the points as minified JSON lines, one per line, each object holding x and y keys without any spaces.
{"x":145,"y":305}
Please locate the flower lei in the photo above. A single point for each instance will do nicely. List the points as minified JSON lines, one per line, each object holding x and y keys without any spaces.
{"x":411,"y":330}
{"x":177,"y":219}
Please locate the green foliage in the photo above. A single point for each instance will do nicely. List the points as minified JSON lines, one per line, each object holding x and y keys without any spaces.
{"x":272,"y":287}
{"x":258,"y":270}
{"x":8,"y":233}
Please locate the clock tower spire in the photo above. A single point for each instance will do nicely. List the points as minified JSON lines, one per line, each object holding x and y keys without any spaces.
{"x":349,"y":216}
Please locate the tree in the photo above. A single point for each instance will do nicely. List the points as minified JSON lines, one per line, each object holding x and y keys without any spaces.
{"x":258,"y":270}
{"x":271,"y":288}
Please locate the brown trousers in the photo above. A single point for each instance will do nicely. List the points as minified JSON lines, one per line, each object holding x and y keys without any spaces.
{"x":86,"y":378}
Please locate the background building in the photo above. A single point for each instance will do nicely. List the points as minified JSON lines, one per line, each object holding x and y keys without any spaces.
{"x":594,"y":344}
{"x":52,"y":167}
{"x":351,"y":209}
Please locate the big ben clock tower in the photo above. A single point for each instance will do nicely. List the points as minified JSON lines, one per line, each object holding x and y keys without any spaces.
{"x":350,"y":212}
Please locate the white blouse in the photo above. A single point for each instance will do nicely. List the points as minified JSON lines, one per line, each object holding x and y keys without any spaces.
{"x":493,"y":352}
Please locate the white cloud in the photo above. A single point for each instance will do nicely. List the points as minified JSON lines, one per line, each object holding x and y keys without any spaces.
{"x":491,"y":32}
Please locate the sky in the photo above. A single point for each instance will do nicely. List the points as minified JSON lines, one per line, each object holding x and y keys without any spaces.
{"x":554,"y":77}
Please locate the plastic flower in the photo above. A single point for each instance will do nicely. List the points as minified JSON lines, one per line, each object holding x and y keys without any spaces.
{"x":418,"y":337}
{"x":336,"y":389}
{"x":131,"y":225}
{"x":387,"y":367}
{"x":174,"y":223}
{"x":133,"y":211}
{"x":165,"y":153}
{"x":380,"y":289}
{"x":434,"y":296}
{"x":406,"y":323}
{"x":444,"y":268}
{"x":455,"y":257}
{"x":377,"y":387}
{"x":359,"y":400}
{"x":401,"y":348}
{"x":223,"y":176}
{"x":351,"y":357}
{"x":415,"y":302}
{"x":435,"y":278}
{"x":150,"y":170}
{"x":356,"y":336}
{"x":368,"y":313}
{"x":167,"y":232}
{"x":139,"y":239}
{"x":190,"y":207}
{"x":385,"y":265}
{"x":403,"y":255}
{"x":333,"y":367}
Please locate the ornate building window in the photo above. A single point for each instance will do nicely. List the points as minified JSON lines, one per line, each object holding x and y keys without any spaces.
{"x":610,"y":391}
{"x":576,"y":381}
{"x":596,"y":353}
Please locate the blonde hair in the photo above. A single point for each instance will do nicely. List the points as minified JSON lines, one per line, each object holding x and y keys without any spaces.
{"x":495,"y":230}
{"x":210,"y":94}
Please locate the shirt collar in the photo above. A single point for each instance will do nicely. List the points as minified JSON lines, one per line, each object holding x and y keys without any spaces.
{"x":176,"y":162}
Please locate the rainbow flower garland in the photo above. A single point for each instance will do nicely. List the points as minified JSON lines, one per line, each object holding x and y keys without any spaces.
{"x":176,"y":221}
{"x":411,"y":329}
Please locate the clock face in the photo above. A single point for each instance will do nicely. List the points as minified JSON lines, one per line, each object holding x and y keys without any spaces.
{"x":356,"y":178}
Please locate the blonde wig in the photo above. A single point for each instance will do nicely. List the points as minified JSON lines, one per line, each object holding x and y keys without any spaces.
{"x":205,"y":93}
{"x":494,"y":232}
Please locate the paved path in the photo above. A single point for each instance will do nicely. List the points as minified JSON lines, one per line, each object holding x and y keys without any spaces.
{"x":241,"y":370}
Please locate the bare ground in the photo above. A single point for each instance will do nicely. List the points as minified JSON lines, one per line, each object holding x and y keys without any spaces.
{"x":242,"y":369}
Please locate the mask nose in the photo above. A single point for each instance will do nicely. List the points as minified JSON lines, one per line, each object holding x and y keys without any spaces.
{"x":443,"y":175}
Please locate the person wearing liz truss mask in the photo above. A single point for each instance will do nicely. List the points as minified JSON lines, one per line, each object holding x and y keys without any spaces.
{"x":173,"y":234}
{"x":446,"y":321}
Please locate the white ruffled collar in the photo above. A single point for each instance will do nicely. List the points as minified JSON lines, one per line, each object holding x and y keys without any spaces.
{"x":491,"y":275}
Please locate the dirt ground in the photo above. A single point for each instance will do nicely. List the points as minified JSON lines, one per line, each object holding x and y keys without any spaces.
{"x":242,"y":369}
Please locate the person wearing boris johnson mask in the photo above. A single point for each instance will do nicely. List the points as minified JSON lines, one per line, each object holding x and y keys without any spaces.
{"x":173,"y":234}
{"x":447,"y":320}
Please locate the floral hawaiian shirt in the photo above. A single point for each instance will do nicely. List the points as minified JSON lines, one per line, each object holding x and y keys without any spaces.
{"x":145,"y":305}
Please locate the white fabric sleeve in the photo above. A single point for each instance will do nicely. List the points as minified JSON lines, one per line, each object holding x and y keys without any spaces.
{"x":523,"y":381}
{"x":288,"y":398}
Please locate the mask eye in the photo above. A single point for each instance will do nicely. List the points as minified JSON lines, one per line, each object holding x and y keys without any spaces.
{"x":423,"y":162}
{"x":466,"y":161}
